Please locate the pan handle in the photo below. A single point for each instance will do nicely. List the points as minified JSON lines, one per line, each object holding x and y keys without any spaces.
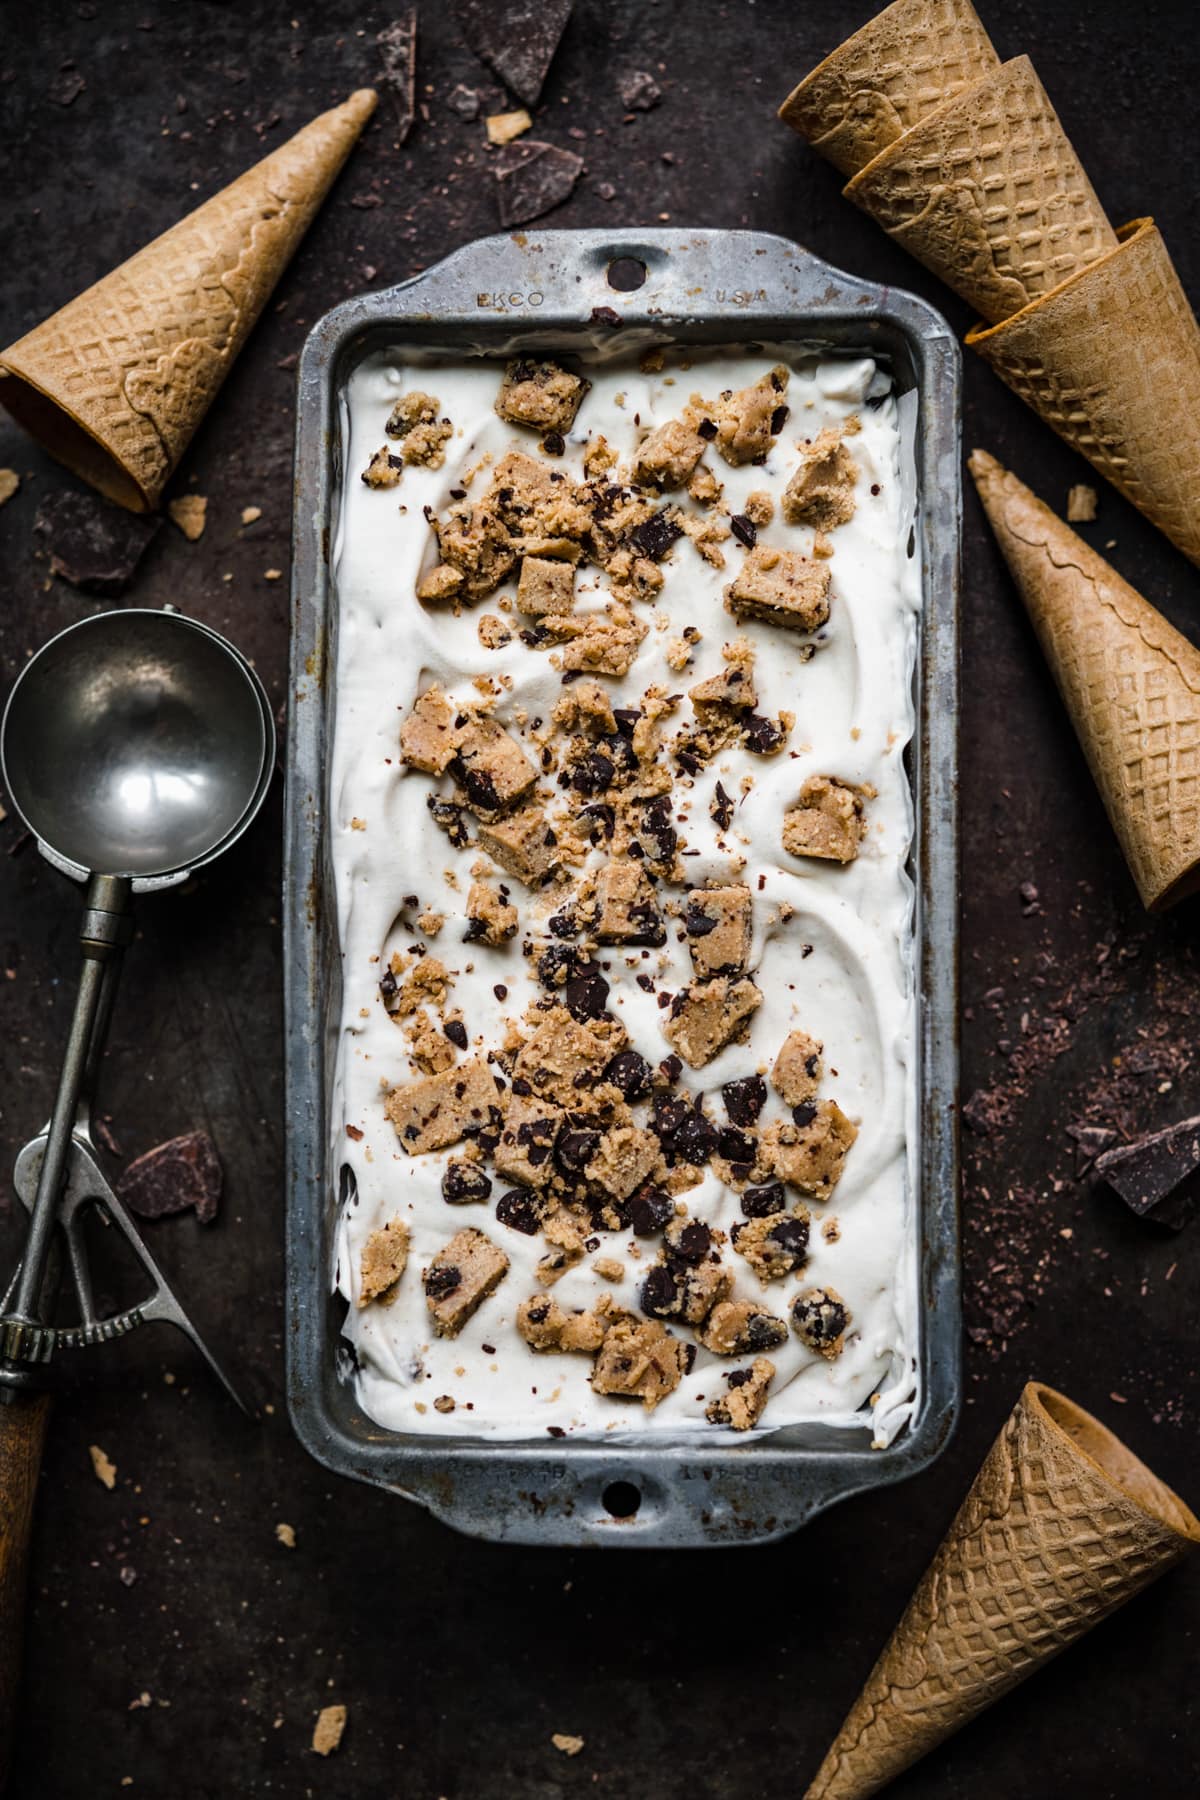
{"x":23,"y":1419}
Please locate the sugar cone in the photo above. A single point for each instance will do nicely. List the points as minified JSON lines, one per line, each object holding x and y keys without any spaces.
{"x":1111,"y":361}
{"x":116,"y":382}
{"x":883,"y":80}
{"x":1130,"y":681}
{"x":987,"y":192}
{"x":1060,"y":1528}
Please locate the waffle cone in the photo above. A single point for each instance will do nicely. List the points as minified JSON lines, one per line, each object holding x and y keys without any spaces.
{"x":883,"y":80}
{"x":1111,"y":361}
{"x":1130,"y":681}
{"x":116,"y":382}
{"x":1060,"y":1528}
{"x":988,"y":193}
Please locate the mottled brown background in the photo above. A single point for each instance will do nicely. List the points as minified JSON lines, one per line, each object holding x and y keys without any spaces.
{"x":706,"y":1675}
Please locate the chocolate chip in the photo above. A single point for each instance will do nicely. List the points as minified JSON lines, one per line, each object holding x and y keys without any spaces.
{"x":696,"y":1138}
{"x":655,"y":535}
{"x":660,"y":1292}
{"x":554,"y":443}
{"x":763,"y":1332}
{"x":560,"y":963}
{"x":456,"y":1031}
{"x":706,"y":429}
{"x":520,"y":1210}
{"x":761,"y":1202}
{"x":762,"y":736}
{"x":666,"y":1119}
{"x":744,"y":530}
{"x":627,"y":718}
{"x":691,"y":1243}
{"x":500,"y":991}
{"x":388,"y":986}
{"x":463,"y":1182}
{"x":450,"y":818}
{"x":791,"y":1235}
{"x":650,"y":1209}
{"x":562,"y":924}
{"x":630,"y":1073}
{"x":443,"y":1280}
{"x":805,"y":1113}
{"x":696,"y":922}
{"x":592,"y":774}
{"x":478,"y":785}
{"x":744,"y":1099}
{"x":575,"y":1150}
{"x":721,"y":808}
{"x":779,"y":419}
{"x":586,"y":996}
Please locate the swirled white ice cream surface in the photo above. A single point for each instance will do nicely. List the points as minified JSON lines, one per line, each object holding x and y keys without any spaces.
{"x":840,"y":966}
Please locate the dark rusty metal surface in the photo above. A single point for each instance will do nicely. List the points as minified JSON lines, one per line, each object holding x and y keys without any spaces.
{"x":710,"y":1674}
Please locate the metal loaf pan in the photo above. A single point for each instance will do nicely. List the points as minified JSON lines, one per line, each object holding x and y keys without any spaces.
{"x":558,"y":290}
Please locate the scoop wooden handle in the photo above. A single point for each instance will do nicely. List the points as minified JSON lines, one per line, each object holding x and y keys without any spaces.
{"x":22,"y":1437}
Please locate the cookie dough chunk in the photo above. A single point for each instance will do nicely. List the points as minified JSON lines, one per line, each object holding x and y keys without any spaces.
{"x":546,"y":586}
{"x":718,"y":922}
{"x":562,"y":1058}
{"x":640,"y":1360}
{"x":546,"y":1326}
{"x":523,"y":844}
{"x":491,"y":919}
{"x":740,"y":1328}
{"x":441,"y":583}
{"x":464,"y":1183}
{"x":460,"y":1278}
{"x":734,"y":687}
{"x":626,"y":1157}
{"x":827,"y":821}
{"x":428,"y":738}
{"x":820,"y":1319}
{"x":605,"y":644}
{"x":474,"y":541}
{"x":780,"y":587}
{"x":809,"y":1150}
{"x":821,"y":492}
{"x":443,"y":1109}
{"x":747,"y":421}
{"x":668,"y":456}
{"x":708,"y":1015}
{"x":543,"y":510}
{"x":689,"y":1279}
{"x":797,"y":1069}
{"x":384,"y":1257}
{"x":774,"y":1246}
{"x":415,"y":419}
{"x":542,"y":395}
{"x":449,"y":818}
{"x":741,"y":1406}
{"x":384,"y":469}
{"x":525,"y":1152}
{"x":491,"y":767}
{"x":627,"y":908}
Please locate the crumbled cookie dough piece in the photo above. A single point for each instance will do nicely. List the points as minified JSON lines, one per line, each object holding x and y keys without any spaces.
{"x":586,"y":705}
{"x":440,"y":584}
{"x":564,"y":1233}
{"x":689,"y":1278}
{"x":474,"y":541}
{"x":384,"y":1257}
{"x":741,"y":1407}
{"x":543,"y":395}
{"x":562,"y":1058}
{"x":327,"y":1732}
{"x":821,"y":492}
{"x":640,"y":1360}
{"x":749,"y":420}
{"x":428,"y":1045}
{"x":704,"y":487}
{"x":666,"y":458}
{"x":429,"y":737}
{"x":797,"y":1069}
{"x":546,"y":586}
{"x":780,"y":587}
{"x":820,"y":1319}
{"x":759,"y":508}
{"x":626,"y":907}
{"x":680,"y":650}
{"x":491,"y":919}
{"x":827,"y":822}
{"x":625,"y":1157}
{"x":809,"y":1150}
{"x":384,"y":469}
{"x":740,"y":1328}
{"x":523,"y":844}
{"x":543,"y":509}
{"x":706,"y":1016}
{"x":718,"y":924}
{"x":442,"y":1109}
{"x":415,"y":419}
{"x":502,"y":128}
{"x":490,"y":766}
{"x":734,"y":687}
{"x":464,"y":1182}
{"x":606,"y":643}
{"x":493,"y":632}
{"x":460,"y":1278}
{"x":609,"y":1268}
{"x":427,"y":983}
{"x":525,"y":1152}
{"x":774,"y":1246}
{"x":547,"y":1326}
{"x":599,"y":458}
{"x":430,"y":922}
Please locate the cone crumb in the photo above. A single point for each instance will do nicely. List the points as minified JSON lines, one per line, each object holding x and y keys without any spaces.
{"x":1081,"y":504}
{"x":10,"y":481}
{"x":502,"y":128}
{"x":188,"y":512}
{"x":104,"y":1470}
{"x":286,"y":1535}
{"x":250,"y":513}
{"x":327,"y":1732}
{"x":570,"y":1746}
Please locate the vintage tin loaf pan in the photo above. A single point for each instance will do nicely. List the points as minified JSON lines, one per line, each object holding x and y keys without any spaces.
{"x":542,"y":291}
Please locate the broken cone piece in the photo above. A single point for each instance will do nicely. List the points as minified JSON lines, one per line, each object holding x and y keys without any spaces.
{"x":184,"y":1172}
{"x":1158,"y":1175}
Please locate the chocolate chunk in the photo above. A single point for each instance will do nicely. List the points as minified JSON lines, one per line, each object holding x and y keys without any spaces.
{"x":463,"y":1182}
{"x":521,"y":1210}
{"x":442,"y":1281}
{"x":779,"y":419}
{"x":630,"y":1073}
{"x":744,"y":1099}
{"x":736,"y":1147}
{"x":721,"y":808}
{"x":532,"y":179}
{"x":696,"y":1138}
{"x":1090,"y":1141}
{"x":456,"y":1031}
{"x":575,"y":1149}
{"x":1158,"y":1176}
{"x":450,"y":818}
{"x":560,"y":963}
{"x":763,"y":1332}
{"x":649,"y":1210}
{"x":92,"y":544}
{"x":184,"y":1172}
{"x":554,"y":443}
{"x":698,"y":923}
{"x":691,"y":1244}
{"x":667,"y":1118}
{"x":592,"y":774}
{"x":762,"y":736}
{"x":744,"y":530}
{"x":515,"y":38}
{"x":638,"y":90}
{"x":761,"y":1202}
{"x":660,"y":1292}
{"x":389,"y":987}
{"x":398,"y":52}
{"x":792,"y":1236}
{"x":654,"y":537}
{"x":586,"y":996}
{"x":805,"y":1113}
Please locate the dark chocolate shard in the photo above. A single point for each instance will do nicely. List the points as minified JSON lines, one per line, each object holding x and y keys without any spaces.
{"x":1090,"y":1142}
{"x":1158,"y":1176}
{"x":464,"y":101}
{"x":93,"y":545}
{"x":398,"y":50}
{"x":516,"y":38}
{"x":184,"y":1172}
{"x":532,"y":179}
{"x":654,"y":537}
{"x":638,"y":90}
